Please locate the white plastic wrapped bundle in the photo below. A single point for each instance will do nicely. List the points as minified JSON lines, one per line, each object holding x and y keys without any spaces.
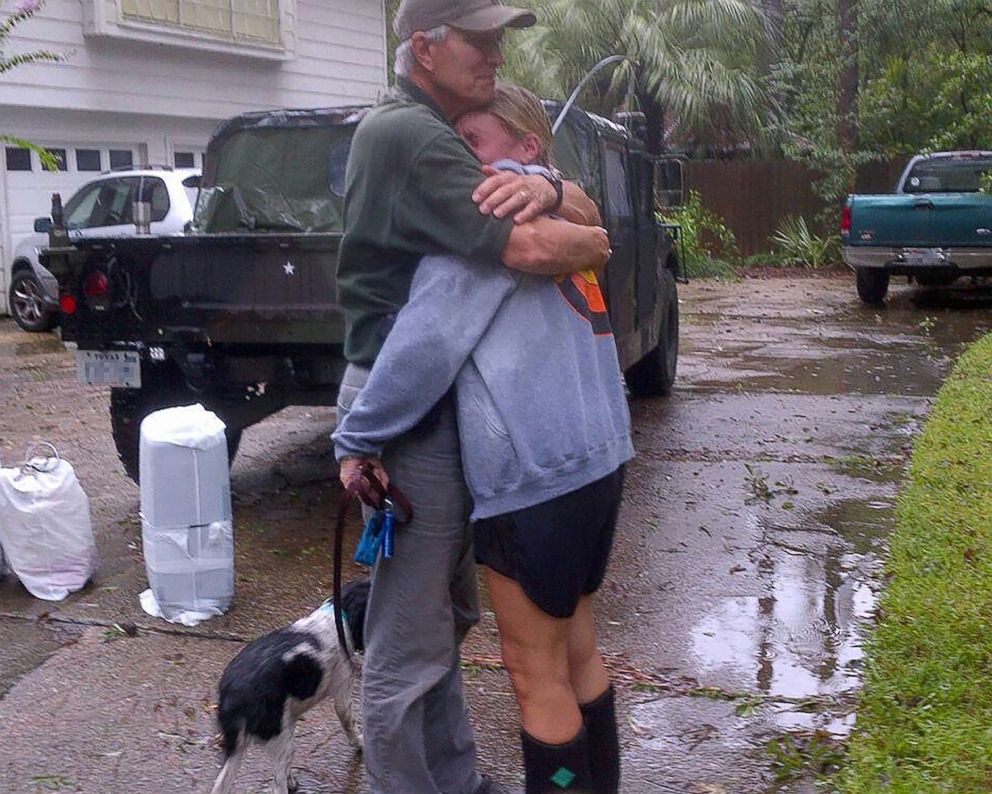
{"x":45,"y":527}
{"x":186,"y":526}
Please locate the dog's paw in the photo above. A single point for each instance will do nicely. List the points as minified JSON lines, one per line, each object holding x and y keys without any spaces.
{"x":357,"y":742}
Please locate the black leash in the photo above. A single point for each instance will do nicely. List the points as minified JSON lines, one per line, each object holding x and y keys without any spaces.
{"x":369,"y":491}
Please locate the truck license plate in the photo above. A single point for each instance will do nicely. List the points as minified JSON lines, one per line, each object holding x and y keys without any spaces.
{"x":109,"y":368}
{"x":923,"y":257}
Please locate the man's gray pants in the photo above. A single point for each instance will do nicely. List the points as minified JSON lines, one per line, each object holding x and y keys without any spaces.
{"x":423,"y":601}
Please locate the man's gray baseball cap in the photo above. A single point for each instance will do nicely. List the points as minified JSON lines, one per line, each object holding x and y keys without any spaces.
{"x":477,"y":16}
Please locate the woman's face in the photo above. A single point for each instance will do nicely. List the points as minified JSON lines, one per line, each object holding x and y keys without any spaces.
{"x":487,"y":136}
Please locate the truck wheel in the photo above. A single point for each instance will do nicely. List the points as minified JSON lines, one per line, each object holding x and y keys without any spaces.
{"x":654,"y":374}
{"x":28,"y":305}
{"x":873,"y":283}
{"x":129,"y":406}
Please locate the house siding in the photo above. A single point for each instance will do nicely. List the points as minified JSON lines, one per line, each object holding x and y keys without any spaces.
{"x":159,"y":97}
{"x":337,"y":56}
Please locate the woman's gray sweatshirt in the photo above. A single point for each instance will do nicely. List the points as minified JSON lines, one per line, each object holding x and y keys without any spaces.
{"x":540,"y":397}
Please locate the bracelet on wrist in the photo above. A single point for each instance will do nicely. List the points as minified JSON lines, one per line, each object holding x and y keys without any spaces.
{"x":555,"y":182}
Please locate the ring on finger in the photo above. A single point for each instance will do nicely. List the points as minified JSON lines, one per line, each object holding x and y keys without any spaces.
{"x":525,"y":195}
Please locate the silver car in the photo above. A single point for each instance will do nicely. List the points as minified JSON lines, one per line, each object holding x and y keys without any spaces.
{"x":100,"y":208}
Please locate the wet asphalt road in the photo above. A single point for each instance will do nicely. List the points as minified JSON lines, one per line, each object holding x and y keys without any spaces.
{"x":748,"y":561}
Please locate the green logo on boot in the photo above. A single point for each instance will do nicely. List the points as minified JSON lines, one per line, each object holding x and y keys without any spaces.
{"x":563,"y":777}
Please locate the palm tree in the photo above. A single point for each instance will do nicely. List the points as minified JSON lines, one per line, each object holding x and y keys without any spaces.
{"x":692,"y":62}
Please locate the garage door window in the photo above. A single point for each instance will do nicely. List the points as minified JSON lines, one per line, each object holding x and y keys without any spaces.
{"x":59,"y":155}
{"x":18,"y":159}
{"x":184,"y":159}
{"x":89,"y":160}
{"x":121,"y":158}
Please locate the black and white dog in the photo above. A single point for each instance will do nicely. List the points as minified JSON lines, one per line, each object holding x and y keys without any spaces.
{"x":275,"y":679}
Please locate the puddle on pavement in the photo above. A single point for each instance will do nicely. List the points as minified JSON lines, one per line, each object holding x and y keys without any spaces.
{"x":798,"y":643}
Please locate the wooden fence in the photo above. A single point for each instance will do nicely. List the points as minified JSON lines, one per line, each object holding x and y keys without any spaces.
{"x":752,"y":196}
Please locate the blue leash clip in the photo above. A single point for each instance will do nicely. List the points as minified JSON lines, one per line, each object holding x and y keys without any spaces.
{"x":371,"y":540}
{"x":377,"y":536}
{"x":388,"y":528}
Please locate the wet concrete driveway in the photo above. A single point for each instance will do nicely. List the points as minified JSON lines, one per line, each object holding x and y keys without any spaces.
{"x":748,"y":561}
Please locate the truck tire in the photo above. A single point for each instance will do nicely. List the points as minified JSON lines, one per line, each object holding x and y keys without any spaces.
{"x":26,"y":299}
{"x":129,"y":406}
{"x":873,"y":284}
{"x":654,"y":374}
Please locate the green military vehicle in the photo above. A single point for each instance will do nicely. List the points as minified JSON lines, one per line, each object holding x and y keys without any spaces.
{"x":240,"y":312}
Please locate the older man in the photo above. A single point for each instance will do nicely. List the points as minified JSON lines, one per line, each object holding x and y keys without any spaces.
{"x":411,"y":185}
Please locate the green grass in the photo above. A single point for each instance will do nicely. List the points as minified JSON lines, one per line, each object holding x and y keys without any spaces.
{"x":925,"y":724}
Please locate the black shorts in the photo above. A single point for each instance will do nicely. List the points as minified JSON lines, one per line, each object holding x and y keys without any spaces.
{"x":556,"y":551}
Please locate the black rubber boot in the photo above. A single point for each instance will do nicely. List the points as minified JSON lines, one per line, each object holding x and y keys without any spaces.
{"x":600,"y":718}
{"x":557,"y":768}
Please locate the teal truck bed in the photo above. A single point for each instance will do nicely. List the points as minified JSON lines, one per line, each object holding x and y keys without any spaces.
{"x":935,"y":228}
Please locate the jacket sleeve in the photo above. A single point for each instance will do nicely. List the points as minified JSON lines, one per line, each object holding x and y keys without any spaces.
{"x":452,"y":303}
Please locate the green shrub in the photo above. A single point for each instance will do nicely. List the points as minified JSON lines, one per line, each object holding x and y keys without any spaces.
{"x":708,"y":247}
{"x":795,"y":244}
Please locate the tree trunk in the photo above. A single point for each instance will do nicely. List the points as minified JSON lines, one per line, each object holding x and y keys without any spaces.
{"x":654,"y":118}
{"x":847,"y":95}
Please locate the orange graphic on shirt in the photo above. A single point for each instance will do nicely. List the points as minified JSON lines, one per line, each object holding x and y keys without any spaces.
{"x":581,"y":291}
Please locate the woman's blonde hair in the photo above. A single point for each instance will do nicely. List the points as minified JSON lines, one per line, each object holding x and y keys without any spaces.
{"x":521,"y":112}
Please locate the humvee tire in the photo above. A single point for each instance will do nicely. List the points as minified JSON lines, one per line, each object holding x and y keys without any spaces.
{"x":654,"y":374}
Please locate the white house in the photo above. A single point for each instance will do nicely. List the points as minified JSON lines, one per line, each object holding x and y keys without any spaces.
{"x":147,"y":81}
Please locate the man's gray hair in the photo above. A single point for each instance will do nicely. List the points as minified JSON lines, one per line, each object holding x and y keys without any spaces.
{"x":404,"y":60}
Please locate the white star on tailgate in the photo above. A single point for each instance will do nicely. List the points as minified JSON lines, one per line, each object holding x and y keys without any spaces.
{"x":289,"y":267}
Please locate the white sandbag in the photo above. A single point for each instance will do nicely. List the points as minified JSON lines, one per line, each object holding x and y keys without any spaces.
{"x":45,"y":526}
{"x":186,"y":528}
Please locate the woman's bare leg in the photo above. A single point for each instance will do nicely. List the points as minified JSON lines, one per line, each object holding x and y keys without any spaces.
{"x":586,"y":672}
{"x":591,"y":684}
{"x":536,"y":654}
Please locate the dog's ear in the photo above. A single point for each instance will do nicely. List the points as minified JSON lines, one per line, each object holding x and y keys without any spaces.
{"x":354,"y":597}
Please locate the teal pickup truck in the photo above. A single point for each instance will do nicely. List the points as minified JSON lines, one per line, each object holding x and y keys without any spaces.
{"x":935,"y":228}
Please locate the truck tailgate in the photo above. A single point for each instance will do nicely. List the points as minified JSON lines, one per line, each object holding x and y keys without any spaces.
{"x":896,"y":220}
{"x":932,"y":220}
{"x":256,"y":289}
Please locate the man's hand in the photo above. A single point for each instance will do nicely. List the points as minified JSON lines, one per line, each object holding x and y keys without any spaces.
{"x":504,"y":193}
{"x":352,"y":470}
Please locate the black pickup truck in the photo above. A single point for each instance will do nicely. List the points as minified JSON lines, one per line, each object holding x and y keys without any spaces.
{"x":240,"y":312}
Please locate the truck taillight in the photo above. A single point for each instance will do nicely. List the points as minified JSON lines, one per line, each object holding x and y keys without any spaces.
{"x":96,"y":285}
{"x":845,"y":221}
{"x":67,"y":303}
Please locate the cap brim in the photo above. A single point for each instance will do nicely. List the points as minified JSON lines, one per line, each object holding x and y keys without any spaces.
{"x":495,"y":18}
